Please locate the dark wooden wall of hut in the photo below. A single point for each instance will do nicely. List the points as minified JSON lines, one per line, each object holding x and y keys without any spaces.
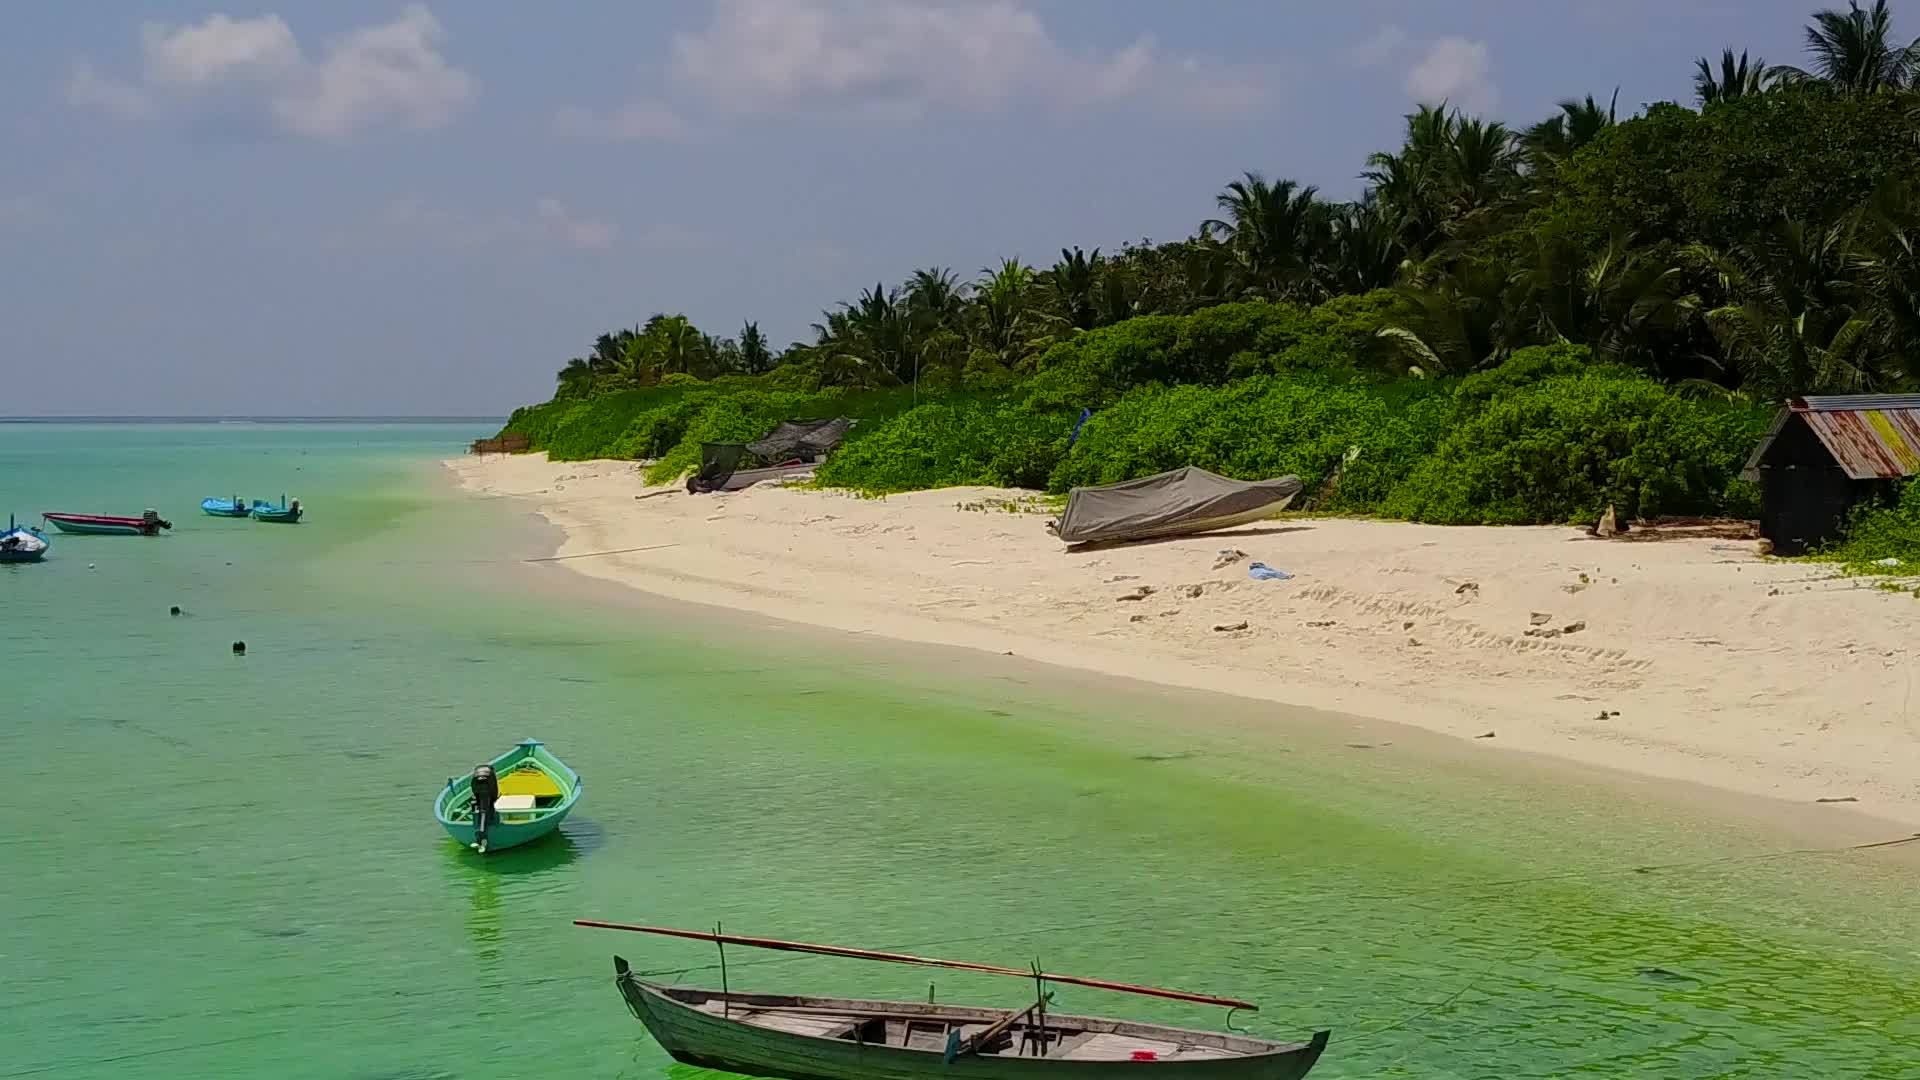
{"x":1805,"y":495}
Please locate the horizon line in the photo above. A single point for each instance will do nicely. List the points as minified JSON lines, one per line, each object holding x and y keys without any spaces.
{"x":250,"y":418}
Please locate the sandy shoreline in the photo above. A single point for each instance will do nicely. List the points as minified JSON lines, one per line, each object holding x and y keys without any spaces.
{"x":1688,"y":659}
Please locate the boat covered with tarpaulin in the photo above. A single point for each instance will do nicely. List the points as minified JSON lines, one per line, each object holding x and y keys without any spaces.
{"x":22,"y":544}
{"x":1182,"y":502}
{"x":791,"y":451}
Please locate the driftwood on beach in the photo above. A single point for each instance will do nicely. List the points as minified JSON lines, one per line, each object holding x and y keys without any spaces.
{"x":505,"y":444}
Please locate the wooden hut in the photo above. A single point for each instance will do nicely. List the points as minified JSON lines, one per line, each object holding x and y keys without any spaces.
{"x":1825,"y":454}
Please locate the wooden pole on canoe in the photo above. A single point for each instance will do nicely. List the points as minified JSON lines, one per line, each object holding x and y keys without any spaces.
{"x":902,"y":958}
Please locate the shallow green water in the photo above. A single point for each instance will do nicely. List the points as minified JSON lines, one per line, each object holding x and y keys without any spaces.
{"x":228,"y":867}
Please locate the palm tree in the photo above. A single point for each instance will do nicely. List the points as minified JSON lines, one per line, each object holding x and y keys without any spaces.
{"x":1009,"y":326}
{"x":677,"y":345}
{"x":1276,"y":233}
{"x":1854,"y":51}
{"x":1403,"y":189}
{"x":876,"y":329}
{"x":639,"y":361}
{"x":1451,"y":174}
{"x":1120,"y":295}
{"x":1481,"y":165}
{"x":576,"y":379}
{"x":1737,"y":78}
{"x":1887,"y":273}
{"x":1793,"y":323}
{"x":1629,"y":305}
{"x":1366,"y":252}
{"x":1557,"y":138}
{"x":1457,"y":321}
{"x":935,"y":296}
{"x":1075,"y":280}
{"x":755,"y":356}
{"x":608,"y":349}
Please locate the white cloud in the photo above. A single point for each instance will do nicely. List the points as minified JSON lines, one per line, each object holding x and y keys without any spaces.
{"x":392,"y":71}
{"x":763,"y":56}
{"x":389,"y":73}
{"x":1380,"y":47}
{"x":562,"y":224}
{"x":88,"y":89}
{"x":219,"y":49}
{"x":635,"y":120}
{"x":549,"y":223}
{"x":1454,"y":70}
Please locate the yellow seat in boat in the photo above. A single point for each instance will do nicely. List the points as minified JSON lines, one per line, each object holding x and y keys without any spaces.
{"x":529,"y":782}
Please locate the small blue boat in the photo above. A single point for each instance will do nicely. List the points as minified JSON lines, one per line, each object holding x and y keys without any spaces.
{"x":19,"y":544}
{"x":235,"y":507}
{"x":285,"y":513}
{"x":527,"y":792}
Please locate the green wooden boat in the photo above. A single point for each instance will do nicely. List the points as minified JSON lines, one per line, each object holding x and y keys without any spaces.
{"x":284,"y":514}
{"x":530,"y":793}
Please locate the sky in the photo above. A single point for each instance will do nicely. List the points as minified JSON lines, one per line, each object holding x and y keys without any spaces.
{"x":363,"y":208}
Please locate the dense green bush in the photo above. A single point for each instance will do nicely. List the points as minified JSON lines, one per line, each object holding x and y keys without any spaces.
{"x":1333,"y":338}
{"x":945,"y":445}
{"x":1565,"y":447}
{"x":1096,"y":367}
{"x":1886,"y":531}
{"x":729,"y":418}
{"x":1548,"y":436}
{"x":577,"y":429}
{"x":1252,"y":429}
{"x":1736,"y":168}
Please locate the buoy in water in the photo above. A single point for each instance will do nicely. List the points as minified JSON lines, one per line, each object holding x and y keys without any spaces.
{"x":174,"y":610}
{"x":239,"y":648}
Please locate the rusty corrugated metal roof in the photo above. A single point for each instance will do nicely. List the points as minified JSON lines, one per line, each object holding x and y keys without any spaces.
{"x":1871,"y":436}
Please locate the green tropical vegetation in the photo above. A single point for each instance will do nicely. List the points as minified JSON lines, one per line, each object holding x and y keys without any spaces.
{"x":1506,"y":325}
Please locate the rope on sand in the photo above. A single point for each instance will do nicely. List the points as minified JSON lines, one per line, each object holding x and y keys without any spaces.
{"x":592,"y":554}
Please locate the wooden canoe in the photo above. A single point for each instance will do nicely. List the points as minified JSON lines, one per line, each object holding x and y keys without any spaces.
{"x":810,"y":1038}
{"x":537,"y":792}
{"x":746,"y":478}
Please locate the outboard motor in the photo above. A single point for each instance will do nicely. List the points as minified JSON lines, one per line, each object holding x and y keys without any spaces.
{"x":486,"y":789}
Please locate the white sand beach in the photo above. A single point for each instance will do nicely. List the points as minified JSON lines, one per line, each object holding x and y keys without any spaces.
{"x":1691,"y":659}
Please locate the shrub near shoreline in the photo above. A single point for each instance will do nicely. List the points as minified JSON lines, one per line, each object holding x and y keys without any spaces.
{"x":1549,"y":437}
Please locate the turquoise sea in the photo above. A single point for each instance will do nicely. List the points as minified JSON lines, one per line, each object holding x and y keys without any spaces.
{"x":215,"y":866}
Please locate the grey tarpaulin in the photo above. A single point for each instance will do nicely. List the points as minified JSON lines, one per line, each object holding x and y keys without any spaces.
{"x":804,"y":439}
{"x":1189,"y":500}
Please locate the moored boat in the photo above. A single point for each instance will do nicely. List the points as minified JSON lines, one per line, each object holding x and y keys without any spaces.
{"x":1182,"y":502}
{"x":285,"y":514}
{"x":813,"y":1038}
{"x":518,"y":797}
{"x":21,"y":544}
{"x":149,"y":523}
{"x":235,"y":507}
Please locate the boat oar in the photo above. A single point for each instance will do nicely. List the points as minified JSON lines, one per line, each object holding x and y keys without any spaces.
{"x":923,"y":961}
